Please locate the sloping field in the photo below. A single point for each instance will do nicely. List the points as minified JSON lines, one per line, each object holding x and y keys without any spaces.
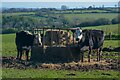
{"x":70,"y":16}
{"x":106,"y":28}
{"x":91,"y":16}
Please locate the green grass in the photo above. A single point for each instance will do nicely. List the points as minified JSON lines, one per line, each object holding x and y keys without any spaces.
{"x":112,"y":43}
{"x":83,"y":17}
{"x":48,"y":73}
{"x":8,"y":45}
{"x":9,"y":49}
{"x":106,"y":28}
{"x":80,"y":11}
{"x":17,"y":13}
{"x":91,"y":16}
{"x":90,"y":11}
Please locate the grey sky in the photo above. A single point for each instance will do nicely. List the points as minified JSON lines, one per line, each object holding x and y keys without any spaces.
{"x":55,"y":4}
{"x":59,"y":0}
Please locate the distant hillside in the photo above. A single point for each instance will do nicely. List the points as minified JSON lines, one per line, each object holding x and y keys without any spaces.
{"x":107,"y":28}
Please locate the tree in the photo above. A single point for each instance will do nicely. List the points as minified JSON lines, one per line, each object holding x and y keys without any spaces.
{"x":115,"y":21}
{"x":103,"y":6}
{"x":63,"y":20}
{"x":102,"y":21}
{"x":115,"y":6}
{"x":93,"y":6}
{"x":19,"y":22}
{"x":63,"y":7}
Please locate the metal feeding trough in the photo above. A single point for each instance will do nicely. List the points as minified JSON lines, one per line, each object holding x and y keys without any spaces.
{"x":59,"y":47}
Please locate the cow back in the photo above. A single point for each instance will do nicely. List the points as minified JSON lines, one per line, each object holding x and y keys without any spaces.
{"x":94,"y":38}
{"x":24,"y":39}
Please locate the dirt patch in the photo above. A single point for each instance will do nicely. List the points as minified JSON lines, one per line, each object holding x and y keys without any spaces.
{"x":108,"y":64}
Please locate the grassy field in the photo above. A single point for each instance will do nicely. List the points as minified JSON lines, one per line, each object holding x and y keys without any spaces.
{"x":47,"y":73}
{"x":9,"y":49}
{"x":81,"y":17}
{"x":8,"y":45}
{"x":106,"y":28}
{"x":17,"y":13}
{"x":107,"y":43}
{"x":91,"y":16}
{"x":74,"y":11}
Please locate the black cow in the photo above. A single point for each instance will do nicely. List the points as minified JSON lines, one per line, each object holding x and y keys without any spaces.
{"x":92,"y":38}
{"x":24,"y":41}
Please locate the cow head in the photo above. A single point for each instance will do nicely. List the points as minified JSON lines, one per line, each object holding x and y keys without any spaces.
{"x":78,"y":33}
{"x":37,"y":39}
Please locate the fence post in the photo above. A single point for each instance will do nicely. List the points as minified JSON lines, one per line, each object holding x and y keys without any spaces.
{"x":110,"y":35}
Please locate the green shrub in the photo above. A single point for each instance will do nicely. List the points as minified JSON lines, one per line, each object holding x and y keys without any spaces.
{"x":8,"y":31}
{"x":112,"y":37}
{"x":115,"y":21}
{"x":102,"y":21}
{"x":98,"y":22}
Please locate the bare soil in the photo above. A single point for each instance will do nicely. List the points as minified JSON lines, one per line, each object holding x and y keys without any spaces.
{"x":106,"y":64}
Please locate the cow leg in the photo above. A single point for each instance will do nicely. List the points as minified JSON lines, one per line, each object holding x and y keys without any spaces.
{"x":90,"y":49}
{"x":21,"y":52}
{"x":100,"y":51}
{"x":89,"y":55}
{"x":27,"y":54}
{"x":82,"y":56}
{"x":97,"y":54}
{"x":18,"y":53}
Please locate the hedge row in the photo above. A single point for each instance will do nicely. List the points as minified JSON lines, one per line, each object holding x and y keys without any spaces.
{"x":8,"y":31}
{"x":112,"y":37}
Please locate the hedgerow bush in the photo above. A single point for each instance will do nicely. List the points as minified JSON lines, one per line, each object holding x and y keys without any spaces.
{"x":9,"y":30}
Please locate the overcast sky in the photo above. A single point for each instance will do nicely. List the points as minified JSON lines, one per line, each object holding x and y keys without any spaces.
{"x":59,"y":0}
{"x":56,"y":4}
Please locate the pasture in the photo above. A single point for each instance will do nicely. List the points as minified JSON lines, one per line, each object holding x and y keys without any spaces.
{"x":107,"y":68}
{"x":48,"y":73}
{"x":90,"y":16}
{"x":106,"y":28}
{"x":81,"y":11}
{"x":17,"y":13}
{"x":70,"y":17}
{"x":9,"y":47}
{"x":9,"y":50}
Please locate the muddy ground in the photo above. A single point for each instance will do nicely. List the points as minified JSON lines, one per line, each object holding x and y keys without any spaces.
{"x":106,"y":64}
